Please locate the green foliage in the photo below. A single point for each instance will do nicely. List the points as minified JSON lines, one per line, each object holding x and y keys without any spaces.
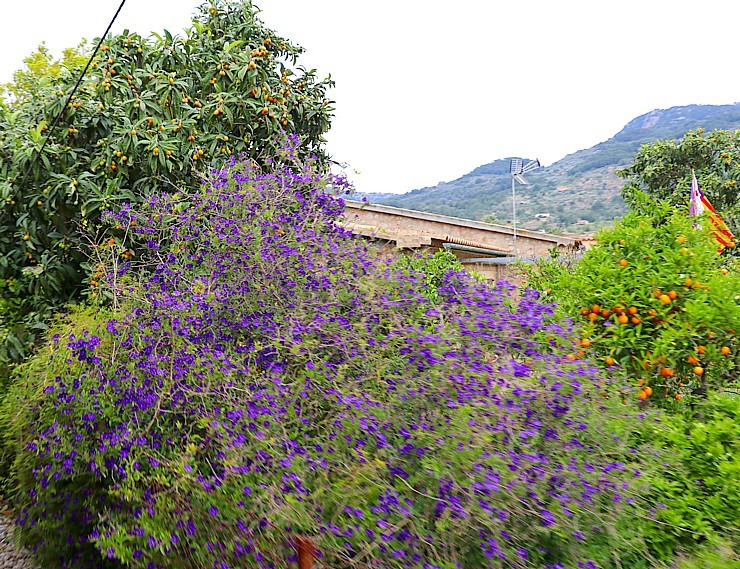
{"x":699,"y":487}
{"x":653,"y":301}
{"x":433,"y":269}
{"x":149,"y":116}
{"x":663,"y":170}
{"x":42,"y":70}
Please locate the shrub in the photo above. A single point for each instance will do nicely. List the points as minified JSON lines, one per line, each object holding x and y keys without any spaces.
{"x":272,"y":380}
{"x":698,"y":487}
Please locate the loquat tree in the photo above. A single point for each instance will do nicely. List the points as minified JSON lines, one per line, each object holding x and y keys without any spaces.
{"x":150,"y":114}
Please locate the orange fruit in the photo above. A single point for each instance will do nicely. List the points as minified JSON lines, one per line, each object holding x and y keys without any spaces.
{"x":624,"y":262}
{"x":632,"y":310}
{"x":672,"y":295}
{"x":698,"y":370}
{"x":596,"y":309}
{"x":724,"y":350}
{"x":585,"y":343}
{"x":622,"y":319}
{"x":665,"y":299}
{"x":585,"y":311}
{"x":648,"y":390}
{"x":609,"y":361}
{"x":593,"y":316}
{"x":688,"y":282}
{"x":636,"y":320}
{"x":701,"y":349}
{"x":605,"y":313}
{"x":680,"y":239}
{"x":666,"y":372}
{"x":692,"y":360}
{"x":642,"y":395}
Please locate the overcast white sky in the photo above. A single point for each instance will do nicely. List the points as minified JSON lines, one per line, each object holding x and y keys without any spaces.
{"x":429,"y":89}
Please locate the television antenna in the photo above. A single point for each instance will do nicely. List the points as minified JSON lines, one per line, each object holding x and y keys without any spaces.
{"x":517,"y":169}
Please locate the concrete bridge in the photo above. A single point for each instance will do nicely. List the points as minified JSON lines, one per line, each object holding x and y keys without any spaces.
{"x":485,"y":247}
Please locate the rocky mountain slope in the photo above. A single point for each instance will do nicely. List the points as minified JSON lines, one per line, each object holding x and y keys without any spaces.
{"x":577,"y":194}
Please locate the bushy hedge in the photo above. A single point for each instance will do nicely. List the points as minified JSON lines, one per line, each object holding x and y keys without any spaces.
{"x":269,"y":378}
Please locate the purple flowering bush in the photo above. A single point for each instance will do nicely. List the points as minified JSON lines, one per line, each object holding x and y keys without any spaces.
{"x":266,"y":378}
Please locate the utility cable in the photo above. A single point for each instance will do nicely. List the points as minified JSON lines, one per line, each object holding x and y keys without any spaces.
{"x":72,"y":93}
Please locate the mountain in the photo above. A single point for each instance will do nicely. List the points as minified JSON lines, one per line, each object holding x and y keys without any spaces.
{"x":577,"y":194}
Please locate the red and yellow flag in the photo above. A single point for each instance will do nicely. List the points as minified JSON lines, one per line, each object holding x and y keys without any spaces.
{"x":699,"y":205}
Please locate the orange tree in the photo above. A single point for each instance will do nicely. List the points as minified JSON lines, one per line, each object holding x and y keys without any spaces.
{"x":149,"y":115}
{"x":653,"y":301}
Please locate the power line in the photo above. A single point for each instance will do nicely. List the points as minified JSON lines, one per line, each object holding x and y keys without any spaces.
{"x":72,"y":93}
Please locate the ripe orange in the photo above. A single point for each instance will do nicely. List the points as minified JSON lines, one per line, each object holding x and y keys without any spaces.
{"x":624,"y":262}
{"x":636,"y":320}
{"x":632,"y":310}
{"x":593,"y":316}
{"x":724,"y":350}
{"x":642,"y":395}
{"x":648,"y":390}
{"x":609,"y":361}
{"x":672,"y":295}
{"x":585,"y":311}
{"x":701,"y":349}
{"x":698,"y":370}
{"x":623,"y":319}
{"x":605,"y":313}
{"x":596,"y":308}
{"x":692,"y":360}
{"x":665,"y":299}
{"x":585,"y":343}
{"x":666,"y":372}
{"x":688,"y":282}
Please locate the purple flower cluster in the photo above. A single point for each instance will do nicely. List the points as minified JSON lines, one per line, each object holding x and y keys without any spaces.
{"x":275,"y":379}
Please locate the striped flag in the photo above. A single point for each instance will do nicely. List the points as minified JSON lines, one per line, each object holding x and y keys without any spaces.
{"x":699,"y":205}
